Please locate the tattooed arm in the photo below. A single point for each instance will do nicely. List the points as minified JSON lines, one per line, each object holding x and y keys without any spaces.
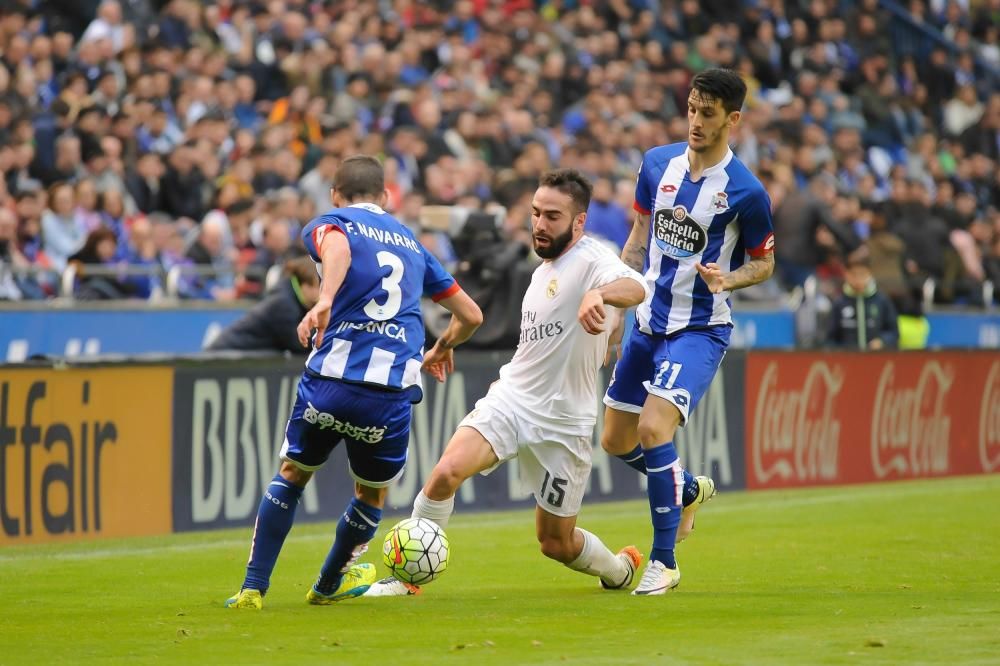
{"x":637,"y":245}
{"x":633,"y":256}
{"x":753,"y":272}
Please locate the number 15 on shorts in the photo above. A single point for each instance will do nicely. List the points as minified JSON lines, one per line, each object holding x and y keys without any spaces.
{"x":557,"y":492}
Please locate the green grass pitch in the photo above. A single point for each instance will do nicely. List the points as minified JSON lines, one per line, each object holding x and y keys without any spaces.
{"x":899,"y":573}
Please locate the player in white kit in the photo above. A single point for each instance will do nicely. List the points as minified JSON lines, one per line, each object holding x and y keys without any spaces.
{"x":543,"y":408}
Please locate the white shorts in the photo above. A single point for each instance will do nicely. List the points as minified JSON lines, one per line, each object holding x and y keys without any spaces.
{"x":555,"y":466}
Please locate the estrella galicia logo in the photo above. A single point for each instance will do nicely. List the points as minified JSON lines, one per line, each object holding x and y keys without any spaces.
{"x":677,"y":234}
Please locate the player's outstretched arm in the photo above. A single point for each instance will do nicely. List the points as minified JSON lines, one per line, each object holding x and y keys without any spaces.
{"x":620,"y":293}
{"x":335,"y":255}
{"x":753,"y":272}
{"x":637,"y":246}
{"x":466,"y":317}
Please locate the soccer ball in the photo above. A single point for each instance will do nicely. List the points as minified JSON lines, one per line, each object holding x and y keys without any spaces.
{"x":416,"y":551}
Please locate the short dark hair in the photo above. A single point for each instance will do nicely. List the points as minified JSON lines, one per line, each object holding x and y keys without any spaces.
{"x":359,"y":176}
{"x":571,"y":182}
{"x":721,"y":84}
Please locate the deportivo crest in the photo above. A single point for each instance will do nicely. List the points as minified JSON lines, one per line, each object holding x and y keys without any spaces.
{"x":720,"y":202}
{"x":677,"y":234}
{"x":552,"y":289}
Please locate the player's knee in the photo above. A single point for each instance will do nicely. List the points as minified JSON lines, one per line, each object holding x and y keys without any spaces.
{"x":371,"y":495}
{"x":653,"y":431}
{"x":294,"y":474}
{"x":613,"y":444}
{"x":445,"y":479}
{"x":554,"y":548}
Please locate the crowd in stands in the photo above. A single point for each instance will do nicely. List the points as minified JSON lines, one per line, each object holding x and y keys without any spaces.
{"x":140,"y":135}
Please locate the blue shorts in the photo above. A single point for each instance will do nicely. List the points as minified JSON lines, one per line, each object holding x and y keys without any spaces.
{"x":678,"y":368}
{"x":375,"y":425}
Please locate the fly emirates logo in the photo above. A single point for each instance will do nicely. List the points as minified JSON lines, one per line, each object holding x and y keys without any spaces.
{"x":533,"y":332}
{"x":910,"y":430}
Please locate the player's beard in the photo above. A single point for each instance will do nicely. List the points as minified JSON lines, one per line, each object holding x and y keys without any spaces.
{"x":556,"y":246}
{"x":707,"y":141}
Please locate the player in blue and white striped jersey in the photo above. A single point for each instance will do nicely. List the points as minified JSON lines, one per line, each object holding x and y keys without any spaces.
{"x":361,"y":378}
{"x":702,"y":229}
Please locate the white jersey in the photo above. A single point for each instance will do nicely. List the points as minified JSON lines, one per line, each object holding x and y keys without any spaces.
{"x":552,"y":378}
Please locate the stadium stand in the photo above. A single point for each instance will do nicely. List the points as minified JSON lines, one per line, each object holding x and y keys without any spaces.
{"x":174,"y":149}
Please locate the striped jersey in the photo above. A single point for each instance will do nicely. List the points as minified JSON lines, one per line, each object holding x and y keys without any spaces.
{"x":720,"y":218}
{"x":376,"y":330}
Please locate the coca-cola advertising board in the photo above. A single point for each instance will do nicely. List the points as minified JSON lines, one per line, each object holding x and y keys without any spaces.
{"x":817,"y":419}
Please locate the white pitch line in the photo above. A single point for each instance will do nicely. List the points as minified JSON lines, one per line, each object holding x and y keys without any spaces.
{"x":523,"y":516}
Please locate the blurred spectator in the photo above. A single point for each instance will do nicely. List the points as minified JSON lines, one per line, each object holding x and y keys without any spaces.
{"x":86,"y":204}
{"x":962,"y":111}
{"x":271,"y":324}
{"x":317,"y":182}
{"x":63,"y":231}
{"x":183,"y":184}
{"x":863,"y":318}
{"x":296,"y":111}
{"x":144,"y":183}
{"x":213,"y":277}
{"x":98,"y":251}
{"x":111,"y":211}
{"x":886,"y":252}
{"x":11,"y":258}
{"x":275,"y":249}
{"x":984,"y":136}
{"x":810,"y":234}
{"x":605,"y":218}
{"x":109,"y":26}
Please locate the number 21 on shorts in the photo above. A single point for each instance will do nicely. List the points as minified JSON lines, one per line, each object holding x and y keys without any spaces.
{"x":666,"y":375}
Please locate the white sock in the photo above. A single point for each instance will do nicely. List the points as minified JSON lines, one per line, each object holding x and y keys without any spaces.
{"x":438,"y":511}
{"x":596,"y":560}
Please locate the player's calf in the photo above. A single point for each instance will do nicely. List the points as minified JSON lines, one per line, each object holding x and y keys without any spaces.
{"x":445,"y":479}
{"x":559,"y":548}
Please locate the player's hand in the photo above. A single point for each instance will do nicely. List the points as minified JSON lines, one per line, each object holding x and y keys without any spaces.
{"x":614,"y":351}
{"x":317,"y":318}
{"x":592,"y":313}
{"x":713,"y":277}
{"x":439,"y":362}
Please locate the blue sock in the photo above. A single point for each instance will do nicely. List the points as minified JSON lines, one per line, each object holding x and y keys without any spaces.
{"x":356,"y":528}
{"x":637,"y":461}
{"x":664,"y":489}
{"x":275,"y":516}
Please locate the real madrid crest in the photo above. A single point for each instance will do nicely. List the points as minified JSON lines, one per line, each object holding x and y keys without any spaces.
{"x":552,"y":289}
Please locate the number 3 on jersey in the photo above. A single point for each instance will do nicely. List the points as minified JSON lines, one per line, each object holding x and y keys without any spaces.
{"x":390,"y":283}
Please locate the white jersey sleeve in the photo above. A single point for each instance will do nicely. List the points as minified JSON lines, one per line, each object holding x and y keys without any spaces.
{"x":607,"y":267}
